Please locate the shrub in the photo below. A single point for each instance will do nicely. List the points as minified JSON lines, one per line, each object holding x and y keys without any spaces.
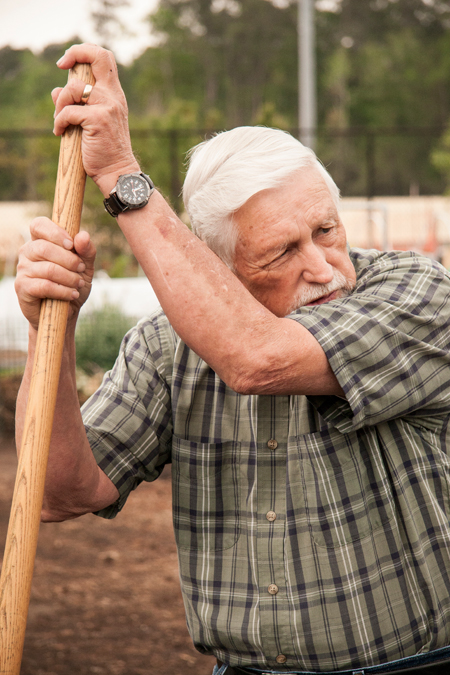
{"x":98,"y":338}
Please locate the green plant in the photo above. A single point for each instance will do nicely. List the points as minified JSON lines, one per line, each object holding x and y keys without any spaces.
{"x":98,"y":338}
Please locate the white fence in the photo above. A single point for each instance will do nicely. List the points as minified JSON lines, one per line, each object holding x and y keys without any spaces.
{"x":134,"y":297}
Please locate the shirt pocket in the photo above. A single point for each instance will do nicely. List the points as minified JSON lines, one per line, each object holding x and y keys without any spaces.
{"x":206,"y":494}
{"x":347,"y":493}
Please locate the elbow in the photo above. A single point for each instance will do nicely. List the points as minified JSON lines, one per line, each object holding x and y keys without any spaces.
{"x":56,"y":514}
{"x":244,"y":385}
{"x":56,"y":510}
{"x":249,"y":379}
{"x":48,"y":516}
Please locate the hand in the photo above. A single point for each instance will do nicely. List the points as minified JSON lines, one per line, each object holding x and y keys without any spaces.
{"x":106,"y":144}
{"x":52,"y":265}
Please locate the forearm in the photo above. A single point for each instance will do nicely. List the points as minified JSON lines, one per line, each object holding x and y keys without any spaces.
{"x":250,"y":348}
{"x":207,"y":305}
{"x":74,"y":483}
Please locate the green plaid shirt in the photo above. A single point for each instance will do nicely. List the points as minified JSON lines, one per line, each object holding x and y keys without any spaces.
{"x":313,"y":532}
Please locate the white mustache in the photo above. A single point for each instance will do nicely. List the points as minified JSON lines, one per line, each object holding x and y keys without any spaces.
{"x":311,"y":293}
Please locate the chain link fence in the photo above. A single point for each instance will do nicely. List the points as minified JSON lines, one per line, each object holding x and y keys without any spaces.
{"x":365,"y":162}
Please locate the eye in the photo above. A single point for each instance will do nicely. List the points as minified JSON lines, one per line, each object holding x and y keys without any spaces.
{"x":326,"y":229}
{"x":280,"y":257}
{"x":284,"y":254}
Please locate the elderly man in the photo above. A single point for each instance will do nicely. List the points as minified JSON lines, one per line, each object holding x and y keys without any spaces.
{"x":300,"y":390}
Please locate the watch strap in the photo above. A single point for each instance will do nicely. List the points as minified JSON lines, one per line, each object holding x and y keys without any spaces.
{"x":115,"y":206}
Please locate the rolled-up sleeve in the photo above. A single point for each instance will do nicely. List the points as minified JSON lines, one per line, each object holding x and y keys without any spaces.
{"x":128,"y":420}
{"x":387,"y":342}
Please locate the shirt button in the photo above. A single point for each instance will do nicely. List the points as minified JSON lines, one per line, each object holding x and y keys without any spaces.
{"x":273,"y":589}
{"x":272,"y":444}
{"x":271,"y":516}
{"x":281,"y":658}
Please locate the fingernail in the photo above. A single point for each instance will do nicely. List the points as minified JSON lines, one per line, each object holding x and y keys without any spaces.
{"x":81,"y":283}
{"x":75,"y":295}
{"x":59,"y":60}
{"x":67,"y":244}
{"x":81,"y":267}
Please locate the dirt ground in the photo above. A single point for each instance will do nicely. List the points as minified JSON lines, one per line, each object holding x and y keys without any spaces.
{"x":106,"y":595}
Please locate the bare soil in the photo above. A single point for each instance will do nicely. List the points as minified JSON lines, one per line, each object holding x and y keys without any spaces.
{"x":106,"y":595}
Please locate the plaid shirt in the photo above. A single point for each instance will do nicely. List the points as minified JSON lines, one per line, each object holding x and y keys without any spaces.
{"x":313,"y":532}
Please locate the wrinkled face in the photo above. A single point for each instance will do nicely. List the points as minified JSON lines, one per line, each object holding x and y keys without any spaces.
{"x":291,"y":248}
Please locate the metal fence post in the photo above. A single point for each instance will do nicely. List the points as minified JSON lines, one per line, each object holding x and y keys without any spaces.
{"x":370,"y":186}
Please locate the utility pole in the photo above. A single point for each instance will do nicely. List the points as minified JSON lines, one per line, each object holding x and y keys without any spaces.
{"x":307,"y":105}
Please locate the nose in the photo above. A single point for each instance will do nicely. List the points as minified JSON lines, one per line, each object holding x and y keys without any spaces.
{"x":316,"y":269}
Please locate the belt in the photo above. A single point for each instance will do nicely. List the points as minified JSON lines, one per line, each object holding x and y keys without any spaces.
{"x":431,"y":663}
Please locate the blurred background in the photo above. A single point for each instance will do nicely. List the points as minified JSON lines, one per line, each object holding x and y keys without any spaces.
{"x":366,"y":83}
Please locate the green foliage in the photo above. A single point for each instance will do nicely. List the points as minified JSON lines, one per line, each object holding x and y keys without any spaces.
{"x":440,"y":158}
{"x":98,"y":338}
{"x":28,"y":163}
{"x":221,"y":63}
{"x":106,"y":21}
{"x":226,"y":55}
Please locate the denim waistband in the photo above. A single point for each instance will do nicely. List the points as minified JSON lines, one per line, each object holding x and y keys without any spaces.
{"x":399,"y":665}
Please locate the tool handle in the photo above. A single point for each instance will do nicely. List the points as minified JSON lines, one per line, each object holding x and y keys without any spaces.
{"x":23,"y":529}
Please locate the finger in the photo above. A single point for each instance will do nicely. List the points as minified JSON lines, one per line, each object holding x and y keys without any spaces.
{"x":44,"y":251}
{"x":55,"y":93}
{"x":40,"y":289}
{"x":102,"y":60}
{"x":36,"y":281}
{"x":85,"y":249}
{"x":70,"y":94}
{"x":49,"y":242}
{"x":71,"y":114}
{"x":44,"y":228}
{"x":55,"y":274}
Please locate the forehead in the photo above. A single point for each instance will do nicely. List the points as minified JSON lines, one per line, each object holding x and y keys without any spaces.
{"x":304,"y":199}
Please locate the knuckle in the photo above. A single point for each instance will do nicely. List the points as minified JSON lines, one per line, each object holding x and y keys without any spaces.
{"x":20,"y":271}
{"x":52,"y":269}
{"x":22,"y":252}
{"x":34,"y":226}
{"x":18,"y":284}
{"x":109,"y":55}
{"x":42,"y":288}
{"x":35,"y":288}
{"x":38,"y":288}
{"x":72,"y":87}
{"x":40,"y":249}
{"x":38,"y":226}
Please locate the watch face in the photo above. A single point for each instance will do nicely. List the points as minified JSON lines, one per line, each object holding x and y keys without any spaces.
{"x":133,"y":190}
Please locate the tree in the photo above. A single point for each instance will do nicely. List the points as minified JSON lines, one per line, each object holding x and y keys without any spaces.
{"x":229,"y":55}
{"x":106,"y":20}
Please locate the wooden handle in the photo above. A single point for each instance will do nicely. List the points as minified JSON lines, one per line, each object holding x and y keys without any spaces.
{"x":21,"y":540}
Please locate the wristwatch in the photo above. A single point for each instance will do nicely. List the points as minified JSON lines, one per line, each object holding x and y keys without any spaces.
{"x":132,"y":191}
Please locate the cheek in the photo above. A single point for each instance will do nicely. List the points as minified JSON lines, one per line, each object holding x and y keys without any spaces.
{"x":279,"y":291}
{"x":339,"y":259}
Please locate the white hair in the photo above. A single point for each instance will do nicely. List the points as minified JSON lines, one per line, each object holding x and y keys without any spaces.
{"x":228,"y":169}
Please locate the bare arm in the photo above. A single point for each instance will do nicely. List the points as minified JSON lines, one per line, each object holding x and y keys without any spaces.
{"x":74,"y":483}
{"x":250,"y":348}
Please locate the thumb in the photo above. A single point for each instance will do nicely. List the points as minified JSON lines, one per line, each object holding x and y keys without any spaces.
{"x":86,"y":250}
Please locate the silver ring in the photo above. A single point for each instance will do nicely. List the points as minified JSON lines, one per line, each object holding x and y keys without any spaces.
{"x":86,"y":93}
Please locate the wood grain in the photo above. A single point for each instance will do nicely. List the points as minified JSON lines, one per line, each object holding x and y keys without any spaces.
{"x":23,"y":530}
